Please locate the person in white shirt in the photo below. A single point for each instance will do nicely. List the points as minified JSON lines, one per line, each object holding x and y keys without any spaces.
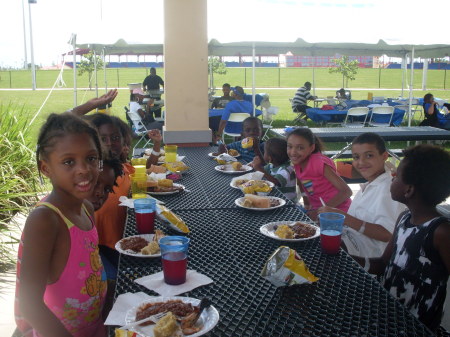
{"x":372,"y":215}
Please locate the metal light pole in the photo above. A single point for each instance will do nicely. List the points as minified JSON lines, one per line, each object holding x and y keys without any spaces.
{"x":73,"y":42}
{"x":25,"y":64}
{"x":33,"y":68}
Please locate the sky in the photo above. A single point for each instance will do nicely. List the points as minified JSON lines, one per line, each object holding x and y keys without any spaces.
{"x":141,"y":21}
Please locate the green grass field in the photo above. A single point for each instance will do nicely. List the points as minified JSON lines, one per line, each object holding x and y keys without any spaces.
{"x":279,"y":83}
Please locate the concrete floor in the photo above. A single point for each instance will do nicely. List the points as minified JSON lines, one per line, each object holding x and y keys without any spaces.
{"x":7,"y":288}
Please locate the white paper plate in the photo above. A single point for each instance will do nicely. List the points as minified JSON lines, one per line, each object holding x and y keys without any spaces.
{"x":211,"y":155}
{"x":271,"y":184}
{"x":245,"y":168}
{"x":169,"y":192}
{"x":148,"y":237}
{"x":240,"y":201}
{"x":209,"y":317}
{"x":269,"y":231}
{"x":162,"y":159}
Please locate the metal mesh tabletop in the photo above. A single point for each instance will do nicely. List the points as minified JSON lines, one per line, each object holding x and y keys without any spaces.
{"x":226,"y":245}
{"x":206,"y":187}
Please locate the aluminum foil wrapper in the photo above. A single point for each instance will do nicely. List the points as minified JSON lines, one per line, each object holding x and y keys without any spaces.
{"x":285,"y":267}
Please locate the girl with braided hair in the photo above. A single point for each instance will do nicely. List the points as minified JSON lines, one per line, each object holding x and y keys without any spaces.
{"x":61,"y":284}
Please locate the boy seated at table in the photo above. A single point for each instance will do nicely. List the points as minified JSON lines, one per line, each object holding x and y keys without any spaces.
{"x":252,"y":127}
{"x":416,"y":263}
{"x":372,"y":214}
{"x":278,"y":169}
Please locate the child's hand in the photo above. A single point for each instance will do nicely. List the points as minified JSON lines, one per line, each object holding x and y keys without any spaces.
{"x":328,"y":209}
{"x":258,"y":164}
{"x":155,"y":136}
{"x":222,"y":148}
{"x":312,"y":213}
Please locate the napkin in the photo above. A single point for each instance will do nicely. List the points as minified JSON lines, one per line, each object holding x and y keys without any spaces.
{"x":156,"y":176}
{"x":250,"y":176}
{"x":156,"y":283}
{"x":124,"y":302}
{"x":124,"y":201}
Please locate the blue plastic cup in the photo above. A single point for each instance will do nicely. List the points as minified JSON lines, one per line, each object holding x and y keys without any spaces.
{"x":174,"y":253}
{"x":331,"y":225}
{"x":144,"y":210}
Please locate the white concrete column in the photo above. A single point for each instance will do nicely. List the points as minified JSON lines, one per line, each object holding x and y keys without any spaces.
{"x":186,"y":72}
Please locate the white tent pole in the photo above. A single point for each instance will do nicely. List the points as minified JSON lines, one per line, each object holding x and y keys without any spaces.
{"x":425,"y":73}
{"x":404,"y":68}
{"x":104,"y":69}
{"x":411,"y":86}
{"x":95,"y":72}
{"x":253,"y":81}
{"x":74,"y":51}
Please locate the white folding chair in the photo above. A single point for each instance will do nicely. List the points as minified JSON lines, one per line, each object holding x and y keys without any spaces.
{"x":267,"y":117}
{"x":139,"y":128}
{"x":378,"y":99}
{"x":236,"y":117}
{"x":386,"y":111}
{"x":332,"y":101}
{"x":356,"y":112}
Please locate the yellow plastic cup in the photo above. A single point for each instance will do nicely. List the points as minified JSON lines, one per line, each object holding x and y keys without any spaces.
{"x":138,"y":185}
{"x":170,"y":153}
{"x":138,"y":161}
{"x":370,"y":96}
{"x":139,"y":169}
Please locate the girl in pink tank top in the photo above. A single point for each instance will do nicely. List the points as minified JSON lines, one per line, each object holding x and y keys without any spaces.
{"x":61,"y":284}
{"x":316,"y":172}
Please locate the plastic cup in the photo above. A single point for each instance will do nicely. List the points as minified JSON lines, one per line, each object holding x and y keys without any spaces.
{"x":138,"y":185}
{"x":331,"y":225}
{"x":139,"y":169}
{"x":170,"y":153}
{"x":174,"y":253}
{"x":144,"y":210}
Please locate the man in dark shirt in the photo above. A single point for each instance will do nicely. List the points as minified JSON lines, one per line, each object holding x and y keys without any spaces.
{"x":221,"y":102}
{"x":152,"y":82}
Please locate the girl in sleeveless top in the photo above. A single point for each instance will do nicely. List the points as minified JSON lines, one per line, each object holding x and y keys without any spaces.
{"x":61,"y":284}
{"x":316,"y":173}
{"x":416,"y":263}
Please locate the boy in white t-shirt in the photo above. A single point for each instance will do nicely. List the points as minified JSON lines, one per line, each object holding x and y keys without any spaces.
{"x":372,"y":215}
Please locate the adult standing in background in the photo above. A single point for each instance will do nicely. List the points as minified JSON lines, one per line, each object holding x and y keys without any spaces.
{"x":299,"y":102}
{"x":153,"y":82}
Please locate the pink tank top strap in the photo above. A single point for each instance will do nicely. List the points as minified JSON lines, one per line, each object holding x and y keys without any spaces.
{"x":77,"y":297}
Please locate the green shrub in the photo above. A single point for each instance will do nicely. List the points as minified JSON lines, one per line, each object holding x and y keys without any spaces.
{"x":18,"y":177}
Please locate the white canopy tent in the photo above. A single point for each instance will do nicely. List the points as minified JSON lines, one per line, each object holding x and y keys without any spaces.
{"x":298,"y":47}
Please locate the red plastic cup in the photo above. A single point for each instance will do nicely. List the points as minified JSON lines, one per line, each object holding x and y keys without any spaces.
{"x":331,"y":225}
{"x":144,"y":210}
{"x":174,"y":253}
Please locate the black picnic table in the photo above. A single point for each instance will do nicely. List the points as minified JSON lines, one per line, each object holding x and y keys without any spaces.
{"x":227,"y":246}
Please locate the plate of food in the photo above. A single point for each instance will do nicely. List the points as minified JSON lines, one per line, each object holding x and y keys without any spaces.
{"x":236,"y":183}
{"x":143,"y":245}
{"x":232,"y":152}
{"x":259,"y":187}
{"x":162,"y":159}
{"x":290,"y":230}
{"x":259,"y":203}
{"x":166,"y":190}
{"x":234,"y":168}
{"x":181,"y":323}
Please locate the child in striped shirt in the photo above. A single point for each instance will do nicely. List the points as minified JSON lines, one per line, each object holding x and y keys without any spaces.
{"x":278,"y":168}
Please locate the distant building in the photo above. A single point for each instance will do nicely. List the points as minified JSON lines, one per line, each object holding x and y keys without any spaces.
{"x":324,"y":61}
